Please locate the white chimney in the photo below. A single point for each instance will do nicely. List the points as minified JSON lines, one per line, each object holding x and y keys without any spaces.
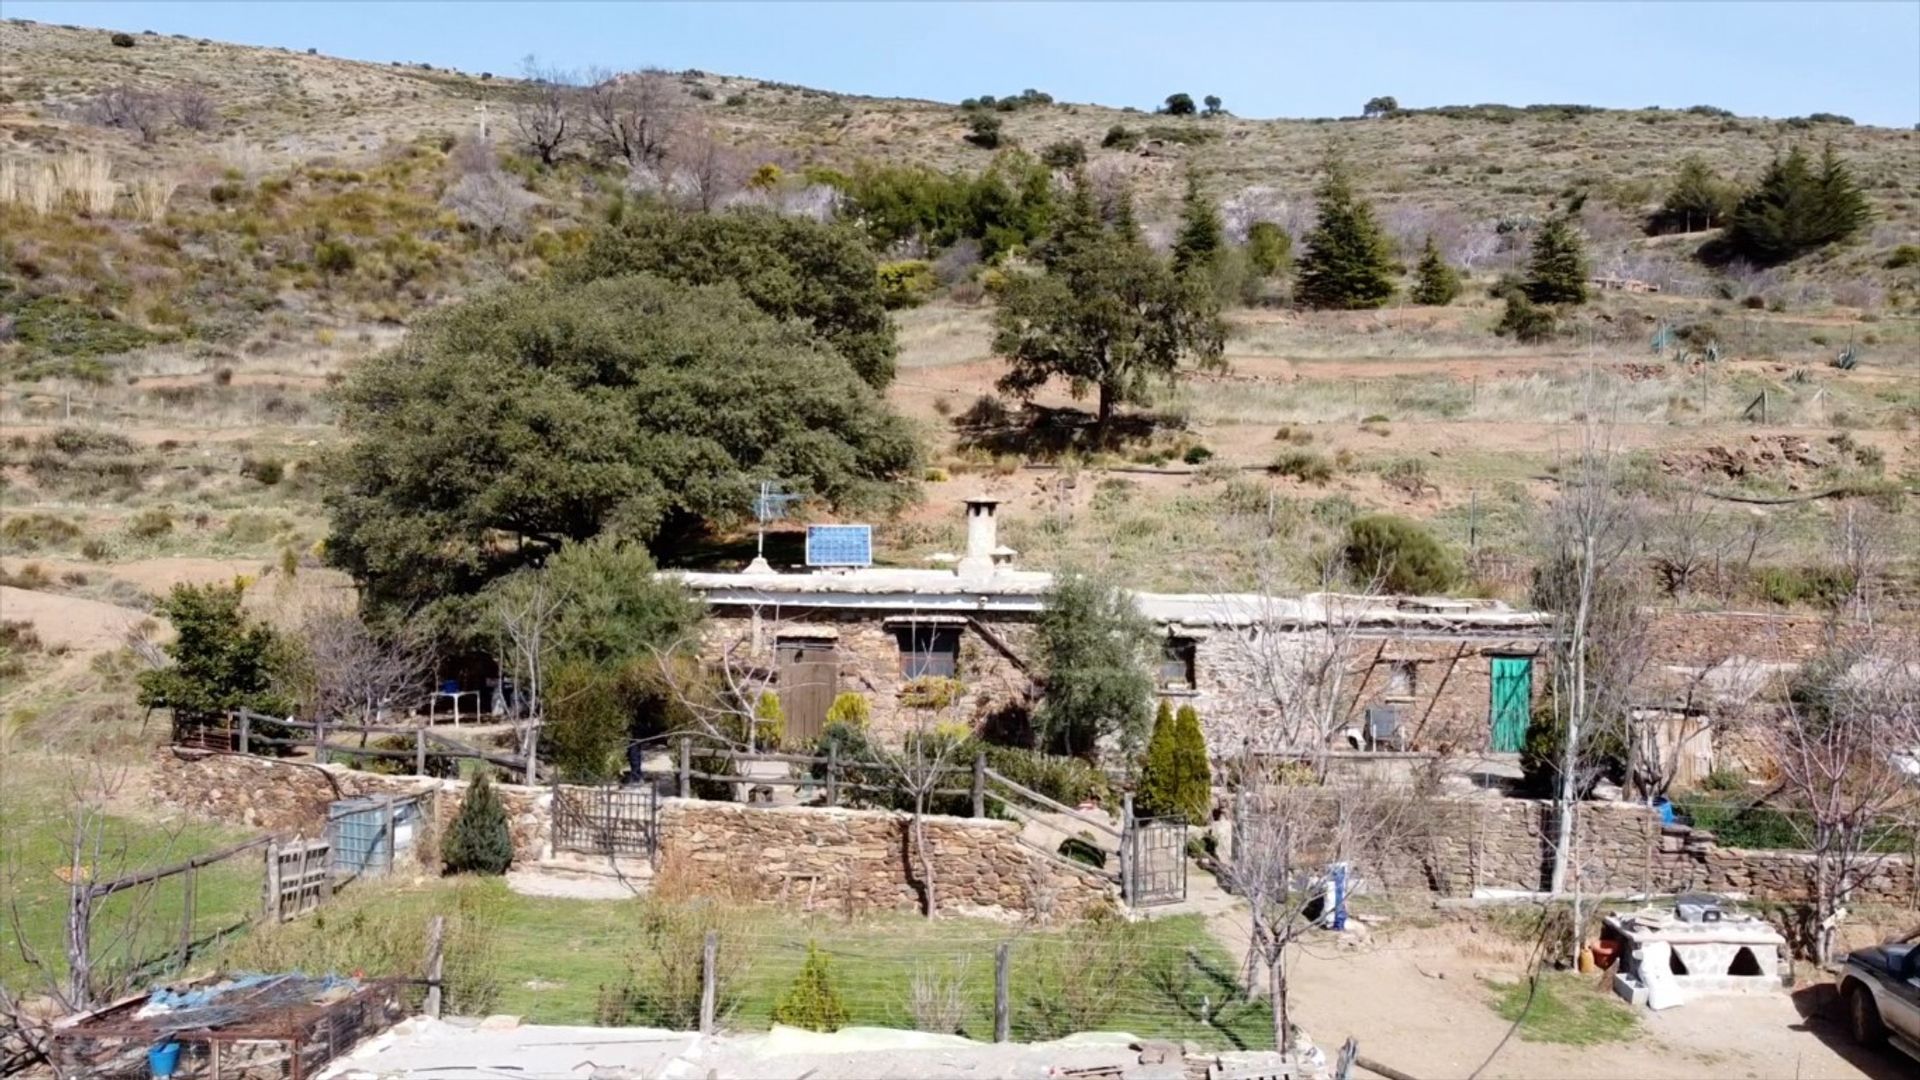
{"x":982,"y":538}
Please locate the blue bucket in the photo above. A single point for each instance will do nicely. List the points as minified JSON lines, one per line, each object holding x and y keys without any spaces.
{"x":163,"y":1059}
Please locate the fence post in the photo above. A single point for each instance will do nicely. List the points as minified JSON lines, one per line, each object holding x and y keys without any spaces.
{"x":1126,"y":848}
{"x":686,"y":765}
{"x":833,"y":774}
{"x":1002,"y":1011}
{"x":436,"y":932}
{"x":190,"y":887}
{"x":386,"y":822}
{"x":419,"y":751}
{"x":980,"y":784}
{"x":270,"y":904}
{"x":246,"y":733}
{"x":709,"y":957}
{"x":324,"y":890}
{"x":533,"y":755}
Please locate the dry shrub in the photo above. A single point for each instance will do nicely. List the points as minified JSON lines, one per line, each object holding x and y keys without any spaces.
{"x":937,"y":997}
{"x":680,"y":878}
{"x":663,"y":983}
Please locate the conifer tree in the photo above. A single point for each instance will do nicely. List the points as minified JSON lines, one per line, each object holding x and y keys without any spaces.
{"x":1159,"y":792}
{"x":479,"y":841}
{"x":1557,"y":270}
{"x":812,"y":1002}
{"x":1793,"y":209}
{"x":1438,"y":283}
{"x":1269,"y":249}
{"x":1699,"y":199}
{"x":1190,"y":764}
{"x":1347,"y":264}
{"x":1202,"y":240}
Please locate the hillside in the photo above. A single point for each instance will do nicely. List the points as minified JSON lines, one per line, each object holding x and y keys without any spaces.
{"x":171,"y":328}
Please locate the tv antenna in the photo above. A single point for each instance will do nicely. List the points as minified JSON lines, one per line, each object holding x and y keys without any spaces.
{"x":770,"y":505}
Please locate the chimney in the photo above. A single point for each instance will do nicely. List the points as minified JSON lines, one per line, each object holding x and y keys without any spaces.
{"x":982,"y":538}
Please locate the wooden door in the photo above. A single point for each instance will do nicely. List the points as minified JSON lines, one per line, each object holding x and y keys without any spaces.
{"x":809,"y":679}
{"x":1512,"y":702}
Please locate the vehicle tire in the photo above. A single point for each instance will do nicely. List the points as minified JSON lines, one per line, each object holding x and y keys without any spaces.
{"x":1863,"y":1016}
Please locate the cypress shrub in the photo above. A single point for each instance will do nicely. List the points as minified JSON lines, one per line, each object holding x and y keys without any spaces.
{"x":812,"y":1002}
{"x":1190,"y":763}
{"x":1347,"y":264}
{"x":1159,"y":792}
{"x":1438,"y":283}
{"x":1557,"y":270}
{"x":478,"y":841}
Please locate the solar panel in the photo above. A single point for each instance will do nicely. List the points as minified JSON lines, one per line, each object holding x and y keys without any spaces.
{"x":839,"y":545}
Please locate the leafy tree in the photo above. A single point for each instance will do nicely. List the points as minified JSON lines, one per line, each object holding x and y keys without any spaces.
{"x":1794,"y":209}
{"x":222,"y":660}
{"x":1402,"y":555}
{"x":822,"y":276}
{"x":1091,"y":644}
{"x":479,"y":840}
{"x":587,"y":727}
{"x":1384,"y":105}
{"x":1269,"y":249}
{"x":812,"y":1002}
{"x":1065,"y":154}
{"x":1347,"y":264}
{"x":1178,"y":105}
{"x":1698,"y":199}
{"x":1557,"y":268}
{"x":1522,"y":321}
{"x":1008,"y":205}
{"x":1202,"y":240}
{"x":533,"y":417}
{"x":613,"y":609}
{"x":1191,"y":765}
{"x":1438,"y":283}
{"x":1213,"y":104}
{"x":983,"y":130}
{"x":1103,"y":312}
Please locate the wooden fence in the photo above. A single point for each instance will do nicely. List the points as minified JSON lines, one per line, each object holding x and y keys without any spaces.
{"x":246,"y":733}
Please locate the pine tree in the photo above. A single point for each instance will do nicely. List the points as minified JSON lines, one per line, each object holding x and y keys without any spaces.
{"x":1843,"y":209}
{"x":1438,"y":283}
{"x":1793,"y":209}
{"x":812,"y":1002}
{"x":1347,"y":263}
{"x":1699,"y":199}
{"x":1190,"y":761}
{"x":1557,"y":270}
{"x":1202,"y":240}
{"x":1159,"y":792}
{"x":479,"y":841}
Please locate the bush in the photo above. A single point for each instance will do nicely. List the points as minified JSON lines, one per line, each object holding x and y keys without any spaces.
{"x":1603,"y":757}
{"x":1903,"y":256}
{"x":1524,"y":322}
{"x":1175,"y":778}
{"x":267,"y":471}
{"x":585,"y":736}
{"x":1064,"y":154}
{"x":813,"y":1002}
{"x":1401,"y":554}
{"x":664,"y":976}
{"x":333,"y":257}
{"x":121,"y":41}
{"x":1068,"y":780}
{"x":983,"y":131}
{"x":31,"y":532}
{"x":905,"y":284}
{"x":150,"y":524}
{"x":1817,"y":586}
{"x":478,"y":841}
{"x":850,"y":708}
{"x":1197,"y":455}
{"x":1303,"y":465}
{"x":1120,"y":137}
{"x":769,"y":721}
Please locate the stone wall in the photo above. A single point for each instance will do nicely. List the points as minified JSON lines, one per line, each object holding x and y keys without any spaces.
{"x":859,"y":860}
{"x":1499,"y":843}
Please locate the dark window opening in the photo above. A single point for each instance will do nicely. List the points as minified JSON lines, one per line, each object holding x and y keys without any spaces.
{"x":1744,"y":963}
{"x":1177,"y":662}
{"x":929,"y":651}
{"x":1675,"y":964}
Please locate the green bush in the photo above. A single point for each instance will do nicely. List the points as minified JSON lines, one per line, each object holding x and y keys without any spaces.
{"x":1197,"y":455}
{"x":267,"y":471}
{"x":1438,"y":283}
{"x":1401,"y":554}
{"x":1603,"y":757}
{"x":1120,"y":137}
{"x":1303,"y":465}
{"x":479,"y":840}
{"x":1903,"y":256}
{"x":905,"y":284}
{"x":334,"y":257}
{"x":150,"y":524}
{"x":1175,"y":778}
{"x":1816,"y":586}
{"x":31,"y":532}
{"x":850,"y":708}
{"x":769,"y":721}
{"x":983,"y":130}
{"x":813,"y":1002}
{"x":588,"y":724}
{"x":1068,"y":780}
{"x":1064,"y":154}
{"x":1524,"y":322}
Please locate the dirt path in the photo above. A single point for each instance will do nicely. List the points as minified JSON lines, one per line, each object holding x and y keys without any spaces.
{"x":1418,"y":1000}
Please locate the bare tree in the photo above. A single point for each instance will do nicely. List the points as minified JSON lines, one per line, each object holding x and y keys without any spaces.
{"x":1689,"y":541}
{"x":193,"y":109}
{"x":1862,"y":541}
{"x":919,"y":763}
{"x":491,"y":202}
{"x":358,"y":676}
{"x":130,"y":108}
{"x":545,"y":112}
{"x":633,"y":114}
{"x":705,"y":167}
{"x":523,"y":611}
{"x":1847,"y":748}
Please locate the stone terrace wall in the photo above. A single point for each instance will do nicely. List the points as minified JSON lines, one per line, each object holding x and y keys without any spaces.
{"x":1500,"y":843}
{"x":839,"y":859}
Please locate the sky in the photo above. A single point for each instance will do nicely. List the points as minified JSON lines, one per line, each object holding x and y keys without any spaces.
{"x":1295,"y":60}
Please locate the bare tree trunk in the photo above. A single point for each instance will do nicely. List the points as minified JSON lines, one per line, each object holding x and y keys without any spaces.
{"x":925,"y":856}
{"x":1277,"y":981}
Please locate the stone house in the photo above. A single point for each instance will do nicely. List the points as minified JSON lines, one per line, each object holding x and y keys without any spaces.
{"x":1419,"y":673}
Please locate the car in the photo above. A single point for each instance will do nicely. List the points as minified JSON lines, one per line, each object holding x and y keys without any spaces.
{"x":1880,"y":988}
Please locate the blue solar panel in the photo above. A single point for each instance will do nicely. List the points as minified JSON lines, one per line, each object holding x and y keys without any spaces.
{"x":839,"y":545}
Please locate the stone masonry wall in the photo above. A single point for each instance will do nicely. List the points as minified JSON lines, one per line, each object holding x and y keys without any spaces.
{"x":858,"y":859}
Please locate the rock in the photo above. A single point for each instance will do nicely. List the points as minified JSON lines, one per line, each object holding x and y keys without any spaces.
{"x":500,"y":1022}
{"x":1158,"y":1052}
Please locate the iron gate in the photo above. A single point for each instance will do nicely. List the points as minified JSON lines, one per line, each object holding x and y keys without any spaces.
{"x":607,"y":820}
{"x":1159,"y":861}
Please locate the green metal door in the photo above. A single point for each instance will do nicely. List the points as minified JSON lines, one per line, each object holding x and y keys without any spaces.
{"x":1512,"y":701}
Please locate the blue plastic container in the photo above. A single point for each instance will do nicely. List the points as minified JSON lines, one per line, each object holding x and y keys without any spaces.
{"x":1664,"y":809}
{"x":164,"y":1059}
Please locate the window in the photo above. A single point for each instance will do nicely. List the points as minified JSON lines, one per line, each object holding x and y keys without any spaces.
{"x":1177,"y":656}
{"x":929,"y":650}
{"x":1400,"y":680}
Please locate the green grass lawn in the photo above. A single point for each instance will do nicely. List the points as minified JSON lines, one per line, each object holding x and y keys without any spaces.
{"x":1565,"y":1009}
{"x":131,"y":929}
{"x":549,"y":961}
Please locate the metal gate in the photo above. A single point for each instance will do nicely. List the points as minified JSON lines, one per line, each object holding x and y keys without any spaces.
{"x":608,"y":820}
{"x":1158,"y":866}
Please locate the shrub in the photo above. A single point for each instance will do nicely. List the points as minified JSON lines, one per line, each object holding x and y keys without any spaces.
{"x":1196,"y":455}
{"x":1120,"y":137}
{"x":1438,"y":283}
{"x":31,"y":532}
{"x":1068,"y":780}
{"x":1407,"y":475}
{"x":1303,"y":465}
{"x":1818,"y":586}
{"x":663,"y":983}
{"x":1178,"y":105}
{"x":267,"y":471}
{"x":850,"y":708}
{"x":1903,"y":256}
{"x":1175,"y":778}
{"x":121,"y":41}
{"x":905,"y":284}
{"x":150,"y":524}
{"x":585,"y":736}
{"x":1401,"y":554}
{"x":1604,"y":756}
{"x":333,"y":257}
{"x":769,"y":721}
{"x":1064,"y":154}
{"x":1524,"y":322}
{"x":983,"y":131}
{"x":478,"y":841}
{"x":813,"y":1002}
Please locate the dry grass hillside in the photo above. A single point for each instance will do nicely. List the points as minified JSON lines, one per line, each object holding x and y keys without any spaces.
{"x":175,"y":308}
